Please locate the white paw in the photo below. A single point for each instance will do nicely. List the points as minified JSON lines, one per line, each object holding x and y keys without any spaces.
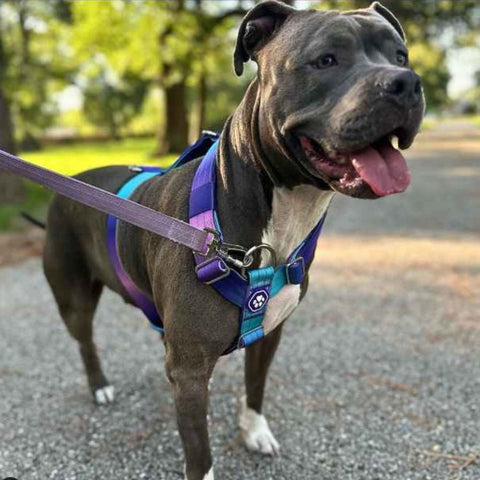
{"x":208,"y":476}
{"x":255,"y":431}
{"x":104,"y":395}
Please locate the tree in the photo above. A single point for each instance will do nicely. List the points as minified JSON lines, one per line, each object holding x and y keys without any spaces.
{"x":31,"y":66}
{"x":11,"y":187}
{"x":111,"y":102}
{"x":37,"y":65}
{"x":164,"y":42}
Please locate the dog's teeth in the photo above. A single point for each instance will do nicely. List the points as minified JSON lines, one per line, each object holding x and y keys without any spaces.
{"x":394,"y":141}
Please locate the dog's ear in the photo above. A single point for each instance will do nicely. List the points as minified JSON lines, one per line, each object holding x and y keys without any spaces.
{"x":256,"y":29}
{"x":390,"y":17}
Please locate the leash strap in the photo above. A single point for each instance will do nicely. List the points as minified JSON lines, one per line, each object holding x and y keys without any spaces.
{"x":122,"y":208}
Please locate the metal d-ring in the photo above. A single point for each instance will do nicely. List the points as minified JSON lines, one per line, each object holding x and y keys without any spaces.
{"x":223,"y":250}
{"x":248,"y":259}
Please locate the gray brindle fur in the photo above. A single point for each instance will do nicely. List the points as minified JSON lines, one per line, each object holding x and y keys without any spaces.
{"x":263,"y":173}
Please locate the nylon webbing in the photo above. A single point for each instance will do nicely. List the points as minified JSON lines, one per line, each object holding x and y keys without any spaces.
{"x":121,"y":208}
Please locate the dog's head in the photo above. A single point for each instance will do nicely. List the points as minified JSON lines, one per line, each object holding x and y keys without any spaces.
{"x":335,"y":88}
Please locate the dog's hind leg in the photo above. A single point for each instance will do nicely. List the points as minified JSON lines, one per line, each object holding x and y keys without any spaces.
{"x":77,"y":295}
{"x":254,"y":428}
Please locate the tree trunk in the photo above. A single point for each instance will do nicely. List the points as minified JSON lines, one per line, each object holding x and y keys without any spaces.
{"x":174,"y":136}
{"x":11,"y":186}
{"x":202,"y":102}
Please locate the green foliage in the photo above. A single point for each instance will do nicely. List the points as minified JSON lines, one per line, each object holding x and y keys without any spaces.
{"x":161,"y":42}
{"x":33,"y":62}
{"x":430,"y":63}
{"x":112,"y":103}
{"x":35,"y":202}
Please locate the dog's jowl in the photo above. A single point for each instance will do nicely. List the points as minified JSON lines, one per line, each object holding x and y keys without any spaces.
{"x":332,"y":91}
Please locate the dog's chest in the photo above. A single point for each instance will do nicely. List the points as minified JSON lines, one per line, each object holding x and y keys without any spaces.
{"x":294,"y":214}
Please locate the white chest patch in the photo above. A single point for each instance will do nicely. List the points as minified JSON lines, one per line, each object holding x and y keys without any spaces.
{"x":294,"y":214}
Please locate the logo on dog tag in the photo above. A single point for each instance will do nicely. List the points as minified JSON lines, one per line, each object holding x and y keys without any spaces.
{"x":257,"y":301}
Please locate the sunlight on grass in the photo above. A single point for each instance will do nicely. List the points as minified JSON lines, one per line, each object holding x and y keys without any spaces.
{"x":72,"y":159}
{"x":475,"y":119}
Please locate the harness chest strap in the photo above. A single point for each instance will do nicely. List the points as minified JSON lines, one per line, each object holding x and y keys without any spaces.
{"x":252,"y":292}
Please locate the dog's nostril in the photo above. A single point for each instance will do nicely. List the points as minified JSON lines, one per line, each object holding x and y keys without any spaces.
{"x":403,"y":85}
{"x":396,"y":87}
{"x":418,"y":87}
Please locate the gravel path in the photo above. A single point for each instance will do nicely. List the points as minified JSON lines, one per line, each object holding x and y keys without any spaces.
{"x":378,"y":375}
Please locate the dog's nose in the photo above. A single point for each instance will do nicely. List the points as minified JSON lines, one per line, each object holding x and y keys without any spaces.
{"x":403,"y":86}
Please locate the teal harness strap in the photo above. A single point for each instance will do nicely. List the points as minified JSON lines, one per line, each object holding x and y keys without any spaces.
{"x":255,"y":305}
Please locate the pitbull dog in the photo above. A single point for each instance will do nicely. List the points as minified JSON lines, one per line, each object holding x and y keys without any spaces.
{"x":331,"y":91}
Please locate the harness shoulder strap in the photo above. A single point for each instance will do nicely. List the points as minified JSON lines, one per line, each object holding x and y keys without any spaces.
{"x":250,"y":294}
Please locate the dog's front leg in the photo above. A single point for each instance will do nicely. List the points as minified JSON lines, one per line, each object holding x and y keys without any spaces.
{"x":254,"y":427}
{"x":189,"y":380}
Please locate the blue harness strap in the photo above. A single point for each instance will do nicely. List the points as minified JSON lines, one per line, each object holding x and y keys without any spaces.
{"x":139,"y":298}
{"x":144,"y":174}
{"x":255,"y":305}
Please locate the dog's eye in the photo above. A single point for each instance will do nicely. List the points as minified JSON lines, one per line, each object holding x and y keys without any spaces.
{"x":402,"y":58}
{"x":325,"y":61}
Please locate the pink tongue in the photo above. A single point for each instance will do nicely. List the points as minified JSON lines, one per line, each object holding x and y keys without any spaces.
{"x":385,"y":169}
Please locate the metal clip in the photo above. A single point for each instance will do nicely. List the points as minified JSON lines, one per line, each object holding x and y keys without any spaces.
{"x":223,"y":249}
{"x":263,"y":246}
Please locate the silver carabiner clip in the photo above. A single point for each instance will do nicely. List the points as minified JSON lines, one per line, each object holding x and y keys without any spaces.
{"x":248,"y":259}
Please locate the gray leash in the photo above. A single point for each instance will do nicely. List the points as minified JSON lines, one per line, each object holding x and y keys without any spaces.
{"x":156,"y":222}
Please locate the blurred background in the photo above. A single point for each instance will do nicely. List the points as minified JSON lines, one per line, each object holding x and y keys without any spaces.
{"x":90,"y":83}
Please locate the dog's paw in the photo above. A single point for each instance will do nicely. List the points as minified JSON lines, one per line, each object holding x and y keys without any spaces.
{"x":104,"y":395}
{"x":208,"y":476}
{"x":255,"y":431}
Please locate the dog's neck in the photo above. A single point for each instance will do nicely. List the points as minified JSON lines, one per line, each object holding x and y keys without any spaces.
{"x":252,"y":209}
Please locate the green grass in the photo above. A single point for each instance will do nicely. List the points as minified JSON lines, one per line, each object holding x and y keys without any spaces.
{"x":35,"y":203}
{"x":428,"y":124}
{"x":72,"y":159}
{"x":75,"y":158}
{"x":475,"y":119}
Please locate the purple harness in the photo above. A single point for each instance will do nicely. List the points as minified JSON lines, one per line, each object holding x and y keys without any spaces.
{"x":248,"y":289}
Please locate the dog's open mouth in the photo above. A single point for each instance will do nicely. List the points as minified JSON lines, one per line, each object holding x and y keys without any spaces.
{"x":381,"y":166}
